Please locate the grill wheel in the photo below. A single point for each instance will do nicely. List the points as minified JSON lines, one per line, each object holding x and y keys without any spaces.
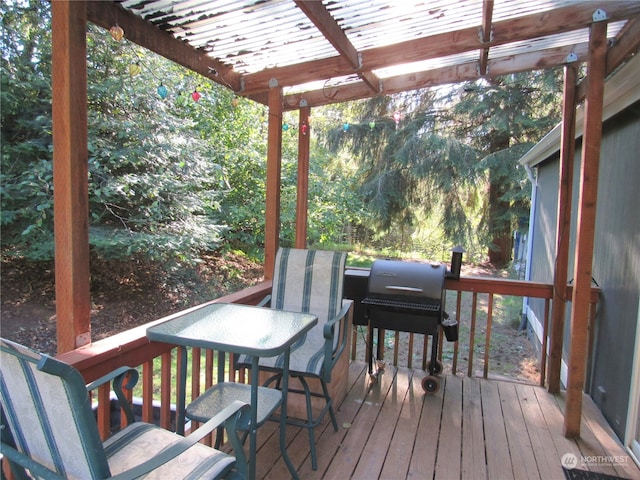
{"x":436,"y":368}
{"x":430,"y":384}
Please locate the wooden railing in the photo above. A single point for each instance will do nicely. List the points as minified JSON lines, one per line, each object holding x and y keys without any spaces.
{"x":482,"y":290}
{"x":132,"y":348}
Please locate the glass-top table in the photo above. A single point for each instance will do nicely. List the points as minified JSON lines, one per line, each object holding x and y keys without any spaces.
{"x":255,"y":331}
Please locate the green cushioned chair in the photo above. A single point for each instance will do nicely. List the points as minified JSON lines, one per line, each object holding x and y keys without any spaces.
{"x":310,"y":281}
{"x":49,"y":429}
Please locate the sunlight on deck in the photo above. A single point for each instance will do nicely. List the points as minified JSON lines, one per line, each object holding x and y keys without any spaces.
{"x":471,"y":428}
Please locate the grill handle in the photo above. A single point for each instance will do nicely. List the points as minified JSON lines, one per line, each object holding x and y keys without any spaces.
{"x":403,"y":289}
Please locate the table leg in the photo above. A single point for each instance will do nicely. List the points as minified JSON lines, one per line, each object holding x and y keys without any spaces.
{"x":221,"y":365}
{"x":182,"y":387}
{"x":254,"y":418}
{"x":283,"y":416}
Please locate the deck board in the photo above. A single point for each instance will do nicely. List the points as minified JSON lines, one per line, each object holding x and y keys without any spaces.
{"x":520,"y":448}
{"x":474,"y":458}
{"x":423,"y":460}
{"x":470,"y":429}
{"x":544,"y":449}
{"x":377,"y":447}
{"x":498,"y":458}
{"x":450,"y":437}
{"x":404,"y":435}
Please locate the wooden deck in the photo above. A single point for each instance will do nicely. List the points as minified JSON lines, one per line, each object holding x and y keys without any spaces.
{"x":471,"y":428}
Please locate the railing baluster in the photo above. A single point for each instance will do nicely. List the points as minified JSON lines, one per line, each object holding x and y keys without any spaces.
{"x":147,"y":391}
{"x":104,"y":410}
{"x":425,"y":346}
{"x":208,"y":372}
{"x":543,"y":349}
{"x":472,"y":333}
{"x":129,"y":396}
{"x":487,"y":341}
{"x":396,"y":345}
{"x":410,"y":354}
{"x":195,"y":372}
{"x":165,"y":391}
{"x":354,"y":341}
{"x":454,"y":367}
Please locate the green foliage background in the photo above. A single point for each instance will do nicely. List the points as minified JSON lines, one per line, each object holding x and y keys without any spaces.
{"x":173,"y":179}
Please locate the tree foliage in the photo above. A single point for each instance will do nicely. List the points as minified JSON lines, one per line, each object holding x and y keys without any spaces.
{"x":168,"y":178}
{"x":453,"y":156}
{"x":173,"y":177}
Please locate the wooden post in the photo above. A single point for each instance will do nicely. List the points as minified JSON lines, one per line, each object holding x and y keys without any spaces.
{"x":274,"y":167}
{"x":567,"y":153}
{"x":586,"y":227}
{"x":302,"y":203}
{"x":70,"y":173}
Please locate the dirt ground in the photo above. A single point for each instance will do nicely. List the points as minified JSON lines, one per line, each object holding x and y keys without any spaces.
{"x":125,"y":296}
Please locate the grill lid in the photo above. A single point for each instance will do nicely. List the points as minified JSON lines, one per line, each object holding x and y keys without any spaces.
{"x":406,"y":281}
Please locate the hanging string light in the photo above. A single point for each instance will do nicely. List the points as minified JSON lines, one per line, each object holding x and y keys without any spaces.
{"x":372,"y":124}
{"x":346,"y":127}
{"x":162,"y":91}
{"x":135,"y":69}
{"x":116,"y":32}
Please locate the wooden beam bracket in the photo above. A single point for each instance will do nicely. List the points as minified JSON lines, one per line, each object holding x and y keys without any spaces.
{"x":599,"y":15}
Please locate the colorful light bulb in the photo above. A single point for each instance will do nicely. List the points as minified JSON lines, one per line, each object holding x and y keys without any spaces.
{"x":116,"y":32}
{"x":134,"y":69}
{"x":162,"y":91}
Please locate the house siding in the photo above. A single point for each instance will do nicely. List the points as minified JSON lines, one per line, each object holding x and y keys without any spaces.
{"x":616,"y":266}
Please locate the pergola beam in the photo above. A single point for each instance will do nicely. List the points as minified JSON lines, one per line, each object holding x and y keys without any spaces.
{"x":322,"y":19}
{"x":550,"y":58}
{"x":107,"y":13}
{"x":487,"y":18}
{"x":564,"y":19}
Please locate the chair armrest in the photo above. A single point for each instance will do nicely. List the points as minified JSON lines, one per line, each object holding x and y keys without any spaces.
{"x":333,"y":350}
{"x":119,"y":375}
{"x":265,"y":302}
{"x":328,"y":329}
{"x":228,"y":416}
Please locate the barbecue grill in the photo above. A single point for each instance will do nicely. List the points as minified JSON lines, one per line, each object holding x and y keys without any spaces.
{"x":407,"y":297}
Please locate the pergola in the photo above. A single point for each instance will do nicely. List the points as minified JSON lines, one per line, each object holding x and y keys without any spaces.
{"x":298,"y":54}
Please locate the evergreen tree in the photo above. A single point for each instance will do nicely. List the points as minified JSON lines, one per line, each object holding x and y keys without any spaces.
{"x":453,"y":156}
{"x":502,"y":118}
